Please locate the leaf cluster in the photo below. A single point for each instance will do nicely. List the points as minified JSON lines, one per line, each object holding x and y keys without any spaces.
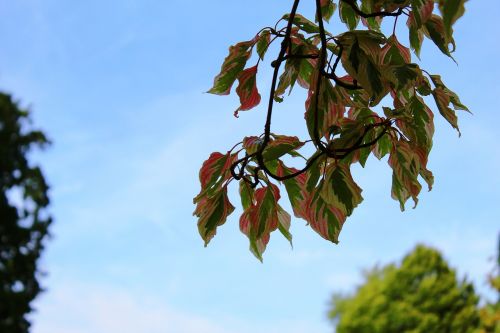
{"x":377,"y":106}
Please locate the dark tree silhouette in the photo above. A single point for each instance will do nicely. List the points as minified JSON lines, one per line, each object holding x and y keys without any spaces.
{"x":24,"y":221}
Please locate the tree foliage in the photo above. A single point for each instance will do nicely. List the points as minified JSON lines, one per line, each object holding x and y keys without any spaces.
{"x":365,"y":96}
{"x":23,"y":220}
{"x":422,"y":294}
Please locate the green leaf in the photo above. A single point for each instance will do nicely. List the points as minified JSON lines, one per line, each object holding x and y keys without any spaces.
{"x":233,"y":65}
{"x":340,"y":190}
{"x":348,"y":15}
{"x":382,"y":147}
{"x":451,"y":12}
{"x":281,"y":145}
{"x":263,"y":43}
{"x":402,"y":77}
{"x":303,"y":23}
{"x":284,"y":220}
{"x":416,"y":39}
{"x":296,"y":189}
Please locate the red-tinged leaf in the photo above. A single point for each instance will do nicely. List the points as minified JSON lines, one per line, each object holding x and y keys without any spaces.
{"x":327,"y":220}
{"x":251,"y":144}
{"x":394,"y":53}
{"x":421,"y":11}
{"x":442,"y":101}
{"x":214,"y":171}
{"x":281,"y":145}
{"x":212,"y":212}
{"x":327,"y":112}
{"x":232,"y":67}
{"x":454,"y":99}
{"x":416,"y":122}
{"x":434,"y":29}
{"x":443,"y":97}
{"x":247,"y":90}
{"x":327,"y":9}
{"x":257,"y":246}
{"x":261,"y":218}
{"x":406,"y":168}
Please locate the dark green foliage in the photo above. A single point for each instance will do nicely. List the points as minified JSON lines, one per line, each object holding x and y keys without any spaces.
{"x":421,"y":294}
{"x":23,"y":223}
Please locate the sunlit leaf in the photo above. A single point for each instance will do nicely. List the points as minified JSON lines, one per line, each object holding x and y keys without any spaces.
{"x":247,"y":90}
{"x":212,"y":212}
{"x":233,"y":65}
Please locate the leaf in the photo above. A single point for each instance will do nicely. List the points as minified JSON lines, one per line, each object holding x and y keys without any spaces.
{"x":328,"y":110}
{"x":394,"y":53}
{"x":434,"y":29}
{"x":325,"y":219}
{"x":416,"y":39}
{"x":284,"y":221}
{"x":251,"y":144}
{"x":212,"y":212}
{"x":281,"y":145}
{"x":296,"y":189}
{"x":303,"y":23}
{"x":382,"y":147}
{"x":421,"y":12}
{"x":443,"y":97}
{"x":422,"y":124}
{"x":361,"y":59}
{"x":340,"y":190}
{"x":263,"y":43}
{"x":296,"y":69}
{"x":348,"y":15}
{"x":328,"y":7}
{"x":406,"y":168}
{"x":214,"y":171}
{"x":232,"y":67}
{"x":247,"y":90}
{"x":451,"y":12}
{"x":261,"y":218}
{"x":403,"y":76}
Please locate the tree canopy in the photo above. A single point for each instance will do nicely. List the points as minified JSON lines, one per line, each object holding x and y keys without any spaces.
{"x":24,"y":220}
{"x":365,"y":96}
{"x":421,"y":294}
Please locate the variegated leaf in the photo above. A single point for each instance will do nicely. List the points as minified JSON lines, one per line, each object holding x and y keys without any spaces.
{"x":232,"y":67}
{"x":247,"y":90}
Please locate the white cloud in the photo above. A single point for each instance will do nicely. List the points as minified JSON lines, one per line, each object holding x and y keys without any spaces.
{"x":83,"y":308}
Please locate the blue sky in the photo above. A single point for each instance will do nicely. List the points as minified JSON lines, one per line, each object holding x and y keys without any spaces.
{"x":118,"y":86}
